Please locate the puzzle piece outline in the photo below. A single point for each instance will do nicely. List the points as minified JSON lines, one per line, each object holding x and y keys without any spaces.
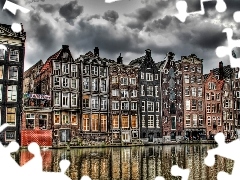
{"x":177,"y":171}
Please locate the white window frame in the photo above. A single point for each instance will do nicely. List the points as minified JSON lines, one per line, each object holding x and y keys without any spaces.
{"x":74,"y":96}
{"x":156,"y":76}
{"x":12,"y":93}
{"x":115,"y":105}
{"x":157,"y":107}
{"x":14,"y":55}
{"x":65,"y":99}
{"x":65,"y":68}
{"x":124,"y":80}
{"x":1,"y":92}
{"x":149,"y":90}
{"x":151,"y":121}
{"x":94,"y":102}
{"x":86,"y":83}
{"x":10,"y":123}
{"x":65,"y":82}
{"x":114,"y":79}
{"x":199,"y":91}
{"x":94,"y":70}
{"x":188,"y":120}
{"x":94,"y":84}
{"x":73,"y":70}
{"x":133,"y":105}
{"x":209,"y":121}
{"x":12,"y":139}
{"x":57,"y":100}
{"x":151,"y":105}
{"x":188,"y":105}
{"x":186,"y":79}
{"x":103,"y":85}
{"x":195,"y":120}
{"x":142,"y":90}
{"x":142,"y":75}
{"x":32,"y":117}
{"x":56,"y":81}
{"x":115,"y":92}
{"x":149,"y":76}
{"x":103,"y":103}
{"x":156,"y":90}
{"x":143,"y":106}
{"x":14,"y":70}
{"x":133,"y":81}
{"x":143,"y":121}
{"x":74,"y":85}
{"x":126,"y":103}
{"x":134,"y":93}
{"x":124,"y":93}
{"x":58,"y":114}
{"x":74,"y":114}
{"x":85,"y":69}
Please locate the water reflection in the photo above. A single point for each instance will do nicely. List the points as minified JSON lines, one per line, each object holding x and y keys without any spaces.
{"x":132,"y":163}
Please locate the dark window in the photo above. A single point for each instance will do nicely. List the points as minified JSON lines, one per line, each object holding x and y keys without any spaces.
{"x":172,"y":108}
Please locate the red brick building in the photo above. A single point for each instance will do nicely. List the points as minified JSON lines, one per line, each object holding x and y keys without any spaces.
{"x":213,"y":103}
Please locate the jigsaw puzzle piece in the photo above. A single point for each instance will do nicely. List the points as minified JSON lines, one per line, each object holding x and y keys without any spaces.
{"x":236,"y":16}
{"x":182,"y":9}
{"x":12,"y":7}
{"x":177,"y":171}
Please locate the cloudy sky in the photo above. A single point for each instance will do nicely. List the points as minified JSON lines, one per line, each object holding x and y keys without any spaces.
{"x":128,"y":27}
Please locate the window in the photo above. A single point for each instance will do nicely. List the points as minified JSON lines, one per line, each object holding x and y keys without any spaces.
{"x":56,"y":117}
{"x":150,"y":121}
{"x":86,"y":83}
{"x":56,"y":81}
{"x":95,"y":102}
{"x":229,"y":115}
{"x":10,"y":135}
{"x":149,"y":77}
{"x":226,"y":103}
{"x":103,"y":71}
{"x":74,"y":70}
{"x":14,"y":55}
{"x":187,"y":104}
{"x":208,"y":108}
{"x":74,"y":118}
{"x":125,"y":121}
{"x":156,"y":76}
{"x":134,"y":122}
{"x":186,"y":78}
{"x":236,"y":76}
{"x":103,"y":122}
{"x":43,"y":121}
{"x":143,"y":106}
{"x":86,"y":101}
{"x":57,"y":98}
{"x":199,"y":69}
{"x":199,"y":92}
{"x":12,"y":93}
{"x":238,"y":94}
{"x":143,"y":121}
{"x":65,"y":118}
{"x":94,"y":121}
{"x":114,"y":79}
{"x":193,"y":79}
{"x":142,"y":90}
{"x":124,"y":93}
{"x":11,"y":115}
{"x":213,"y":108}
{"x":187,"y":91}
{"x":200,"y":119}
{"x":1,"y":89}
{"x":1,"y":71}
{"x":103,"y":103}
{"x":115,"y":121}
{"x":2,"y":54}
{"x":219,"y":121}
{"x":74,"y":99}
{"x":209,"y":120}
{"x":103,"y":85}
{"x":200,"y":106}
{"x":86,"y":69}
{"x":214,"y":123}
{"x":13,"y":73}
{"x":30,"y":118}
{"x":211,"y":85}
{"x":173,"y":122}
{"x":94,"y":70}
{"x":125,"y":105}
{"x":156,"y":91}
{"x":188,"y":123}
{"x":133,"y":81}
{"x":56,"y":68}
{"x":133,"y":105}
{"x":65,"y":68}
{"x":172,"y":108}
{"x":218,"y":108}
{"x":115,"y":105}
{"x":94,"y":84}
{"x":149,"y":90}
{"x":86,"y":126}
{"x":65,"y":82}
{"x":157,"y":121}
{"x":194,"y":120}
{"x":192,"y":69}
{"x":134,"y":93}
{"x":74,"y":83}
{"x":150,"y":106}
{"x":199,"y":79}
{"x":65,"y":99}
{"x":186,"y":68}
{"x":115,"y":92}
{"x":124,"y":81}
{"x":212,"y":96}
{"x":194,"y":104}
{"x":207,"y":96}
{"x":142,"y":75}
{"x":157,"y":106}
{"x":194,"y":91}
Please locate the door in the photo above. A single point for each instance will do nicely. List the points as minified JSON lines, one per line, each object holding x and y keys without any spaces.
{"x":150,"y":137}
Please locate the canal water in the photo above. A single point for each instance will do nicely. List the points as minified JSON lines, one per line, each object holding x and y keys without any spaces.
{"x":133,"y":163}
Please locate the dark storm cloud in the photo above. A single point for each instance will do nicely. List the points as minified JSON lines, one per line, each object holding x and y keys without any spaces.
{"x":111,"y":16}
{"x":49,"y":8}
{"x":71,"y":11}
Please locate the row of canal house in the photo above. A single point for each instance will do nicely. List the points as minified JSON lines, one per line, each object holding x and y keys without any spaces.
{"x":105,"y":100}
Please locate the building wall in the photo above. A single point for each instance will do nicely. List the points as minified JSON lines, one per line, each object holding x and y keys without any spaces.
{"x":172,"y":107}
{"x":193,"y":96}
{"x":123,"y":102}
{"x":213,"y":100}
{"x":11,"y":81}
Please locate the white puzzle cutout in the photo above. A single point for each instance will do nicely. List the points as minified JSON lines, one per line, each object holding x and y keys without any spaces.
{"x":177,"y":171}
{"x":182,"y":9}
{"x":12,"y":7}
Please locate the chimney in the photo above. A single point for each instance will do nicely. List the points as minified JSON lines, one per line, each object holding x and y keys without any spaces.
{"x":119,"y":59}
{"x":148,"y":53}
{"x":221,"y":73}
{"x":65,"y":46}
{"x":96,"y":51}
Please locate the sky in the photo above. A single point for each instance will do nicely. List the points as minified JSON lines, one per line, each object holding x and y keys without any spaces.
{"x":128,"y":27}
